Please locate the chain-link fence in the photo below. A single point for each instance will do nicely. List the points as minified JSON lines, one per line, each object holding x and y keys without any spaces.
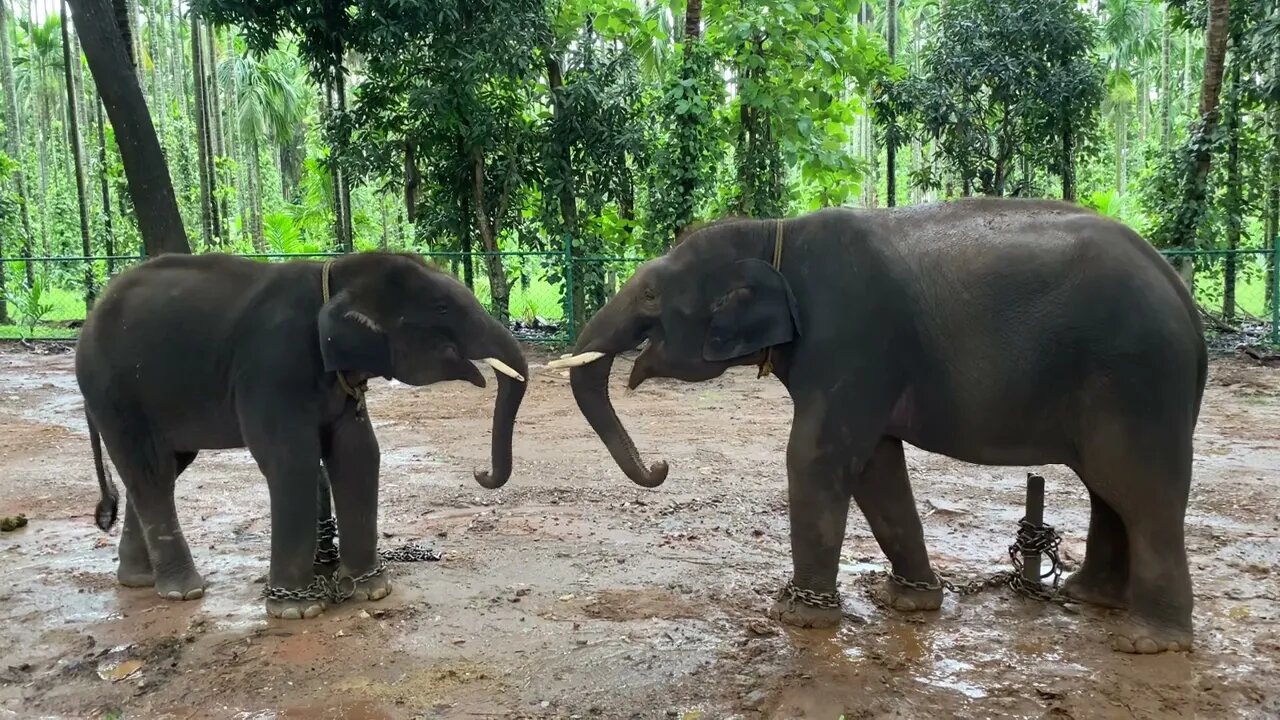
{"x":549,"y":293}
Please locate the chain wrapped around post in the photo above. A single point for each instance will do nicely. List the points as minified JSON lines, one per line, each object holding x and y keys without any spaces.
{"x":335,"y":588}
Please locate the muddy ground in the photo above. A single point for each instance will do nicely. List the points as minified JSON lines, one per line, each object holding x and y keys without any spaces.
{"x":573,"y":593}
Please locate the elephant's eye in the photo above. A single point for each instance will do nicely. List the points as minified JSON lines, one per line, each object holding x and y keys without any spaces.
{"x":441,"y":307}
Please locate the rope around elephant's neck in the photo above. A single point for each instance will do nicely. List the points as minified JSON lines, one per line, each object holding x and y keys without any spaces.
{"x":766,"y":365}
{"x":325,"y":271}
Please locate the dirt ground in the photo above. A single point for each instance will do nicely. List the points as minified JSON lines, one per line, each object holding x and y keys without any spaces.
{"x":572,"y":593}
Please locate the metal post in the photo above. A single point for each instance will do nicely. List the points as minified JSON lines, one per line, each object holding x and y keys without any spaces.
{"x":1035,"y":516}
{"x":569,"y":320}
{"x":1275,"y":291}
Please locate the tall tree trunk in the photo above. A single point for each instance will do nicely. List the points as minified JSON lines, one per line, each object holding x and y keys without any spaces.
{"x":1234,"y":200}
{"x":109,"y":235}
{"x":567,"y":197}
{"x":255,"y":193}
{"x":13,"y":147}
{"x":1122,"y":127}
{"x":335,"y":174}
{"x":489,"y":228}
{"x":150,"y":187}
{"x":890,"y":146}
{"x":412,"y":181}
{"x":202,"y":137}
{"x":464,"y":240}
{"x":218,"y":144}
{"x":1166,"y":84}
{"x":120,"y":9}
{"x":344,"y":182}
{"x":386,"y":222}
{"x":1273,"y":188}
{"x":77,"y":152}
{"x":1186,"y":223}
{"x":693,"y":20}
{"x":42,"y":131}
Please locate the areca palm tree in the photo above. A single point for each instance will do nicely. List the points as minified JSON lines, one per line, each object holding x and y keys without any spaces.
{"x":270,"y":103}
{"x":37,"y":66}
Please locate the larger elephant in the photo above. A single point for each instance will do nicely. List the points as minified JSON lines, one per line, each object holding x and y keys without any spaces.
{"x":993,"y":331}
{"x":186,"y":353}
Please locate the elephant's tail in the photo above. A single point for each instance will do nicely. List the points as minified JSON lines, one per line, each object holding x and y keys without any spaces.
{"x":109,"y":499}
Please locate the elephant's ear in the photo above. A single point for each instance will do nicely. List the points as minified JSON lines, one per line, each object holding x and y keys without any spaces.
{"x":755,"y":310}
{"x":350,"y":340}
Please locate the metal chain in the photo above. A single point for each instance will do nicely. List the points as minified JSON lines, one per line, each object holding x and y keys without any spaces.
{"x":1042,"y":540}
{"x":335,"y":589}
{"x":812,"y":598}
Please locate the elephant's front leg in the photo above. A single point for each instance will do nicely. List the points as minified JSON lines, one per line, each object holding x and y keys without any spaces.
{"x":352,"y":459}
{"x":326,"y":528}
{"x":287,"y":450}
{"x":819,"y":466}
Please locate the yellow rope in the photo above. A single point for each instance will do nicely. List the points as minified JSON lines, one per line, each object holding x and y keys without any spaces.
{"x":766,"y":365}
{"x":324,"y":294}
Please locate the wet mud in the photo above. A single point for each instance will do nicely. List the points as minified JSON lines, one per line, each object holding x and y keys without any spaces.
{"x":572,"y":593}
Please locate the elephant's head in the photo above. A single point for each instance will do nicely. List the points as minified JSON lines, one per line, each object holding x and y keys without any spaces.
{"x":713,"y":302}
{"x":393,"y":315}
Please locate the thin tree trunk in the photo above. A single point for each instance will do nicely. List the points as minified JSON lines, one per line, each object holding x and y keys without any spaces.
{"x":202,"y":137}
{"x":1166,"y":85}
{"x":109,"y":237}
{"x":891,"y":147}
{"x":217,"y":128}
{"x":382,"y":207}
{"x":77,"y":152}
{"x":489,"y":230}
{"x":335,"y":174}
{"x":567,"y":197}
{"x":42,"y":137}
{"x":1273,"y":187}
{"x":150,"y":187}
{"x":255,"y":189}
{"x":1190,"y":214}
{"x":344,"y":182}
{"x":13,"y":147}
{"x":412,"y":181}
{"x":1234,"y":201}
{"x":1122,"y":123}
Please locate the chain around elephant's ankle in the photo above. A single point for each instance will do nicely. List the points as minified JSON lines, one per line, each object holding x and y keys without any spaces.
{"x":319,"y":589}
{"x":812,"y":598}
{"x":920,"y":585}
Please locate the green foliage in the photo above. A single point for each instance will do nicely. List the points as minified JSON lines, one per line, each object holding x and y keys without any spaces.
{"x":31,"y":302}
{"x":688,"y":145}
{"x":1002,"y":80}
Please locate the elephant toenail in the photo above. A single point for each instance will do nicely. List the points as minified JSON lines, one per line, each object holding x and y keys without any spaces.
{"x":1146,"y":646}
{"x":290,"y":614}
{"x":311,"y":612}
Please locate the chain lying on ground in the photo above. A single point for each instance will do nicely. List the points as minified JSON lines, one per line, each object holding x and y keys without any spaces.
{"x":334,"y":588}
{"x":1042,"y":540}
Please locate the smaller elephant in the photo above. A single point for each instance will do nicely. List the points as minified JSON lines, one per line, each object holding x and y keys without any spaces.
{"x":187,"y":353}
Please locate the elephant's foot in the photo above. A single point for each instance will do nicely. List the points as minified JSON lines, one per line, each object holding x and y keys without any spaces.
{"x":135,"y":578}
{"x":185,"y":584}
{"x":893,"y":594}
{"x":1096,"y":588}
{"x":1145,"y":639}
{"x":295,"y":609}
{"x":806,"y":608}
{"x":373,"y":588}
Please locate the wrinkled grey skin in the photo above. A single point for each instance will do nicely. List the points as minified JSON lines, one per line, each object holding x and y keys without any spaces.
{"x":187,"y":353}
{"x":999,"y":332}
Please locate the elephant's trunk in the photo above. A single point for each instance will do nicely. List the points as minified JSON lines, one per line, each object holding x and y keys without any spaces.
{"x":591,"y":390}
{"x":616,"y":328}
{"x":505,"y":407}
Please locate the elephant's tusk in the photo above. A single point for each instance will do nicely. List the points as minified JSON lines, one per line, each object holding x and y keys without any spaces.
{"x":576,"y":360}
{"x":502,"y":367}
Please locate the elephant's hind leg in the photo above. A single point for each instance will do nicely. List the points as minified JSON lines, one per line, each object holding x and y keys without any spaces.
{"x":135,"y":563}
{"x":1142,"y":471}
{"x":883,"y":493}
{"x":148,"y":473}
{"x":1103,"y":578}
